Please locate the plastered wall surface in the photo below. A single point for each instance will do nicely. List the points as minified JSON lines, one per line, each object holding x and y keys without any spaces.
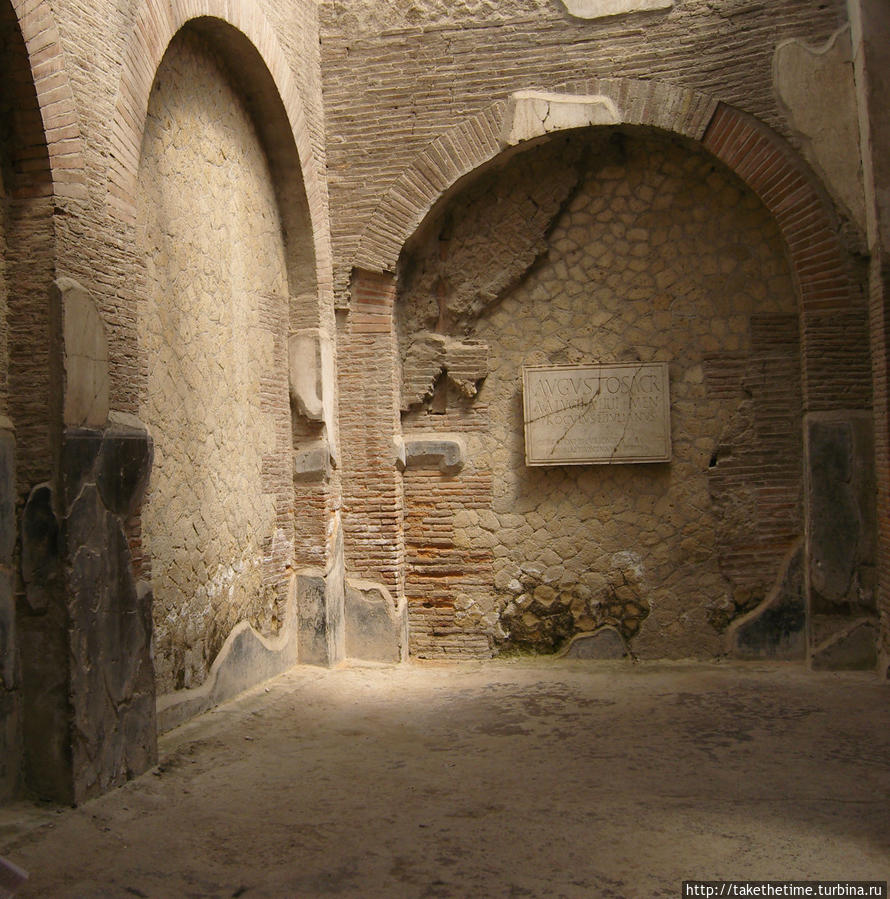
{"x":216,"y":273}
{"x":654,"y":253}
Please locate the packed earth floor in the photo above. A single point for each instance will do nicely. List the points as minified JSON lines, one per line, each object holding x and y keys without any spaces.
{"x":525,"y":778}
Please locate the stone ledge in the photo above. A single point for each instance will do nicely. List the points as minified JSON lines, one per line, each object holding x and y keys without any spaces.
{"x":445,"y":451}
{"x":313,"y":463}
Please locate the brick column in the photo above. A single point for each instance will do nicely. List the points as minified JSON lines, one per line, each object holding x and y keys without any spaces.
{"x":373,"y":506}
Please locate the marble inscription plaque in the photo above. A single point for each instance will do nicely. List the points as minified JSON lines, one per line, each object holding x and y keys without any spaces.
{"x":597,"y":414}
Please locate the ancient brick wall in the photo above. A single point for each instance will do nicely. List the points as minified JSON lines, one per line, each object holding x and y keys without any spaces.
{"x":373,"y":502}
{"x":423,"y":67}
{"x":218,"y":523}
{"x":653,"y":253}
{"x":100,"y":34}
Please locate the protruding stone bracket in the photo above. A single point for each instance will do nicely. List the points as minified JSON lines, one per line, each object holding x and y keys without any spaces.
{"x":314,"y":462}
{"x":446,"y":451}
{"x":599,"y":9}
{"x":312,"y":378}
{"x":533,"y":114}
{"x":401,"y":457}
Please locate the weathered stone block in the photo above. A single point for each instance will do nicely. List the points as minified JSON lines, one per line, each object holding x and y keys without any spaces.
{"x":313,"y":642}
{"x":446,"y":451}
{"x":536,"y":113}
{"x":841,"y":517}
{"x":853,"y":649}
{"x":320,"y":610}
{"x":777,"y":629}
{"x":80,"y":449}
{"x":124,"y":467}
{"x":376,"y":624}
{"x":110,"y":643}
{"x":313,"y":463}
{"x":46,"y":705}
{"x":85,"y":356}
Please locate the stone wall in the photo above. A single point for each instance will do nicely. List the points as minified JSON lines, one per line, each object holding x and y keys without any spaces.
{"x":398,"y":75}
{"x":4,"y":289}
{"x":649,"y":251}
{"x":216,"y":403}
{"x":9,"y":705}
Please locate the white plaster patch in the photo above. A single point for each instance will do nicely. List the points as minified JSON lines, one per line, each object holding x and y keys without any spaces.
{"x":85,"y":357}
{"x":598,"y":9}
{"x":815,"y":86}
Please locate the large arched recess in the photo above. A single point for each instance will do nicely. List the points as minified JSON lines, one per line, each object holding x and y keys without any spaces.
{"x":835,"y":367}
{"x":223,"y":215}
{"x":836,"y":375}
{"x":245,"y":38}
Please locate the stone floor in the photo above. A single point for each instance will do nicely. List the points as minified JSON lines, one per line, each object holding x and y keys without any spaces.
{"x":491,"y":779}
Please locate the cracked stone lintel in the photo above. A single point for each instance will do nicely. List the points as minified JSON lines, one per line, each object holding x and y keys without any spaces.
{"x":599,"y":9}
{"x":533,"y":114}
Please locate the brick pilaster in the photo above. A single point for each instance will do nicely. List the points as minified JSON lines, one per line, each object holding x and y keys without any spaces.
{"x":373,"y":506}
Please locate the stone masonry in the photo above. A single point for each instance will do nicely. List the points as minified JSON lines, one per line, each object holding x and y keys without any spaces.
{"x":270,"y":273}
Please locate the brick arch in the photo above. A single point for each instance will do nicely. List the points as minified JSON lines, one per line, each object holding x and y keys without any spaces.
{"x":60,"y":141}
{"x":156,"y":24}
{"x":834,"y":338}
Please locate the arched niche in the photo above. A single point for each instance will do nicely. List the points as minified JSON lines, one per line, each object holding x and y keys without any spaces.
{"x":224,"y":223}
{"x":606,"y":245}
